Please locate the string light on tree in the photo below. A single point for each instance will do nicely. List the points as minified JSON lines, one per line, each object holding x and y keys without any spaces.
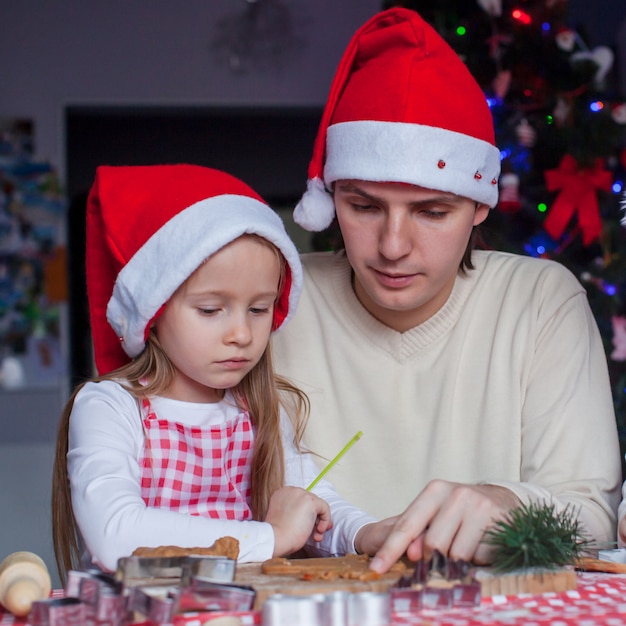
{"x":608,"y":288}
{"x":522,"y":17}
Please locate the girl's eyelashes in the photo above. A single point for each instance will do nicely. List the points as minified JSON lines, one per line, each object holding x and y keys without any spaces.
{"x":255,"y":310}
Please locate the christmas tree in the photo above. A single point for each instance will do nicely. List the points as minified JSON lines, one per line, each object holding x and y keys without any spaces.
{"x":561,"y":127}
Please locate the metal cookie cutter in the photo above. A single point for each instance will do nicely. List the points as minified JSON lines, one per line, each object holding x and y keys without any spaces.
{"x":216,"y":569}
{"x":99,"y":593}
{"x":439,"y":583}
{"x":136,"y":571}
{"x":103,"y":597}
{"x":335,"y":607}
{"x":157,"y":604}
{"x":190,"y":593}
{"x":368,"y":608}
{"x":160,"y":604}
{"x":204,"y":595}
{"x":74,"y":578}
{"x":285,"y":610}
{"x":58,"y":612}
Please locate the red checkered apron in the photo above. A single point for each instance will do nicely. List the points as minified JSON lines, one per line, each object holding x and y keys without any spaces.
{"x":199,"y":471}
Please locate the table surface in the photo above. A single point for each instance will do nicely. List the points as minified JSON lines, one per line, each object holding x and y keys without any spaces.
{"x":598,"y":599}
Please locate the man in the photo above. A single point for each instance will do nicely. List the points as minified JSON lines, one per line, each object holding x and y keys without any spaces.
{"x":478,"y":378}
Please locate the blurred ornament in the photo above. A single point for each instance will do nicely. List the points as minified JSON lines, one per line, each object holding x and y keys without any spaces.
{"x":618,"y":113}
{"x":530,"y":90}
{"x":562,"y":111}
{"x":509,"y":193}
{"x":540,"y":245}
{"x":618,"y":322}
{"x":498,"y":43}
{"x":11,"y":373}
{"x":501,"y":83}
{"x":566,"y":39}
{"x":577,"y":196}
{"x":526,"y":134}
{"x":599,"y":283}
{"x":491,"y":7}
{"x":602,"y":57}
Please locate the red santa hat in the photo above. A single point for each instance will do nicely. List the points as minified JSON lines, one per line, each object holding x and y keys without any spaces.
{"x":148,"y":229}
{"x":403,"y":107}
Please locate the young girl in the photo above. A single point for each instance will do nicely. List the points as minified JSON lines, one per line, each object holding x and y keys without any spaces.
{"x":183,"y":438}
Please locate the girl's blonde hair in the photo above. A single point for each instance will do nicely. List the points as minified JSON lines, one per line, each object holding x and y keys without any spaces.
{"x":261,"y":392}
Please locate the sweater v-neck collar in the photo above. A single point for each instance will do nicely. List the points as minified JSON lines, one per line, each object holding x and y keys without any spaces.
{"x":401,"y":345}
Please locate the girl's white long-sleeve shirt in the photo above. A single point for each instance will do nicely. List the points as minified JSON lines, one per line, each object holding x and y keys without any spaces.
{"x":106,"y":440}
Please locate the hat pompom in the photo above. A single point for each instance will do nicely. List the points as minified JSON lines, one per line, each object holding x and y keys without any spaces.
{"x":316,"y":208}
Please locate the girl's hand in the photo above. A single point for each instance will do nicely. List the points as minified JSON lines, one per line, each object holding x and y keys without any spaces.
{"x":295,"y":515}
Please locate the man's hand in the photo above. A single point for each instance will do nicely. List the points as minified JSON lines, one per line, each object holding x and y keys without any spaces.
{"x":371,"y":537}
{"x":449,"y":517}
{"x":295,"y":515}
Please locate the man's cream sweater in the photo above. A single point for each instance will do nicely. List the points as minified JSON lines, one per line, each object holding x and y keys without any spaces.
{"x":506,"y":384}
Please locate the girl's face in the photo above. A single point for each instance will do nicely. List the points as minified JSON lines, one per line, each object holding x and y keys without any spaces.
{"x":216,"y":326}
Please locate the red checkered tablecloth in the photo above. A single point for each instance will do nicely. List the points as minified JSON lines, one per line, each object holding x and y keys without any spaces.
{"x":598,"y":599}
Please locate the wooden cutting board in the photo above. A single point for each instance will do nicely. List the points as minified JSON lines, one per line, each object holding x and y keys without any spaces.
{"x":314,"y":575}
{"x":563,"y":579}
{"x":325,"y":575}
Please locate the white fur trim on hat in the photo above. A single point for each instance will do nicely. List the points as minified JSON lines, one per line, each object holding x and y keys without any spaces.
{"x":316,"y":208}
{"x":177,"y":249}
{"x":430,"y":157}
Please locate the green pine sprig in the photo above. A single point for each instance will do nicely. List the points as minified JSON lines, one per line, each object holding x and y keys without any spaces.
{"x":535,"y":536}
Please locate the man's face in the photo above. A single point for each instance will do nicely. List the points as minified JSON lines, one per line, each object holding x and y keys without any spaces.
{"x":405,"y":245}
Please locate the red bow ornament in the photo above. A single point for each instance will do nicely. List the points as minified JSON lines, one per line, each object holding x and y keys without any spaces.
{"x":578,"y":194}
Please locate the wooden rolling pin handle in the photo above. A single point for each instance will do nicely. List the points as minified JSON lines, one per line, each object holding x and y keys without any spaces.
{"x":24,"y":578}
